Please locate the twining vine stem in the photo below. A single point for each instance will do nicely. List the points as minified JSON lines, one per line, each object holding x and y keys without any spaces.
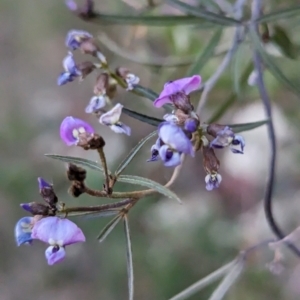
{"x":256,"y":10}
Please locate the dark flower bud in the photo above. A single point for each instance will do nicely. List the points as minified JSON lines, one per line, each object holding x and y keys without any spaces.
{"x":38,"y":209}
{"x":77,"y":188}
{"x":90,"y":141}
{"x":129,"y":77}
{"x":86,"y":68}
{"x":47,"y":192}
{"x":76,"y":173}
{"x":89,"y":46}
{"x":211,"y":166}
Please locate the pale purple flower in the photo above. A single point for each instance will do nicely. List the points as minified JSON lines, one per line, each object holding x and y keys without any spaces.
{"x":23,"y":231}
{"x":175,"y":138}
{"x":72,"y":5}
{"x":111,"y":119}
{"x":71,"y":70}
{"x":76,"y":37}
{"x":213,"y":181}
{"x":226,"y":137}
{"x":71,"y":128}
{"x":131,"y":80}
{"x":58,"y":233}
{"x":176,"y":92}
{"x":96,"y":103}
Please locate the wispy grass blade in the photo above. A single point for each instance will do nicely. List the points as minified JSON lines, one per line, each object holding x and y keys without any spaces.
{"x":282,"y":14}
{"x":202,"y":283}
{"x":108,"y":228}
{"x":129,"y":259}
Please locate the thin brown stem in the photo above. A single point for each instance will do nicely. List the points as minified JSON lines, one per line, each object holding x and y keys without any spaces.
{"x":104,"y":165}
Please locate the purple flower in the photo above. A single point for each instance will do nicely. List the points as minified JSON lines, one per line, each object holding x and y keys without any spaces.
{"x":43,"y":184}
{"x":96,"y":103}
{"x":224,"y":136}
{"x":191,"y":125}
{"x":176,"y":92}
{"x":23,"y":231}
{"x":58,"y":233}
{"x":71,"y":128}
{"x":175,"y":138}
{"x":71,"y":70}
{"x":76,"y":37}
{"x":111,"y":119}
{"x":213,"y":181}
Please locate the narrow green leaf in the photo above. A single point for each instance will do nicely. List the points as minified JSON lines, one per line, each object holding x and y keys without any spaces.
{"x":133,"y":152}
{"x":203,"y":13}
{"x":78,"y":161}
{"x":147,"y":93}
{"x":95,"y":214}
{"x":270,"y":64}
{"x":228,"y":281}
{"x":202,"y":283}
{"x":206,"y":54}
{"x":282,"y":40}
{"x":141,"y":117}
{"x":236,"y":71}
{"x":233,"y":96}
{"x":247,"y":126}
{"x":108,"y":228}
{"x":129,"y":259}
{"x":282,"y":14}
{"x":167,"y":20}
{"x":149,"y":184}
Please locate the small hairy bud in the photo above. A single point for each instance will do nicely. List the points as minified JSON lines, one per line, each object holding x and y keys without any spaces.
{"x":76,"y":173}
{"x":90,"y":141}
{"x":86,"y":68}
{"x":77,"y":188}
{"x":47,"y":192}
{"x":38,"y":209}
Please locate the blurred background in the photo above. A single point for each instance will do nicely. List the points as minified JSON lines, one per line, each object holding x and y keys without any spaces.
{"x":173,"y":245}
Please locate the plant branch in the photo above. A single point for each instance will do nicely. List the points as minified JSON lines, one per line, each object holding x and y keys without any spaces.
{"x":107,"y":187}
{"x":256,"y":9}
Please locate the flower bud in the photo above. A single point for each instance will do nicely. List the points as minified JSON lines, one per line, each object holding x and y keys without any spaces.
{"x":129,"y":77}
{"x":47,"y":192}
{"x":76,"y":173}
{"x":38,"y":209}
{"x":77,"y":188}
{"x":86,"y":68}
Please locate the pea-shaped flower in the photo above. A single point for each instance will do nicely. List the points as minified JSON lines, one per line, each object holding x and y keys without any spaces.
{"x":175,"y":142}
{"x":71,"y":70}
{"x":58,"y":233}
{"x":72,"y":129}
{"x":176,"y":92}
{"x":75,"y":38}
{"x":23,"y":231}
{"x":111,"y":119}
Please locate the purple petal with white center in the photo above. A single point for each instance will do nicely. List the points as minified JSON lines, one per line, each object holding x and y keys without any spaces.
{"x":71,"y":124}
{"x":96,"y":103}
{"x":169,"y":157}
{"x":212,"y":181}
{"x":175,"y":138}
{"x":112,"y":116}
{"x":75,"y":38}
{"x":184,"y":85}
{"x":23,"y":231}
{"x":55,"y":254}
{"x":238,"y":141}
{"x":120,"y":128}
{"x":43,"y":183}
{"x":57,"y":231}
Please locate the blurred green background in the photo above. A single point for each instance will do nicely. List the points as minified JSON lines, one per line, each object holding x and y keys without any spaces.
{"x":173,"y":245}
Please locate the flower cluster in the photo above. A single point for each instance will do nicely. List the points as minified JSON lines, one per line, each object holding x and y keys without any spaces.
{"x":182,"y":132}
{"x":46,"y":226}
{"x":106,"y":83}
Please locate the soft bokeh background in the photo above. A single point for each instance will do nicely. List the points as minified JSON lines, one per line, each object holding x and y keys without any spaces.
{"x":173,"y":245}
